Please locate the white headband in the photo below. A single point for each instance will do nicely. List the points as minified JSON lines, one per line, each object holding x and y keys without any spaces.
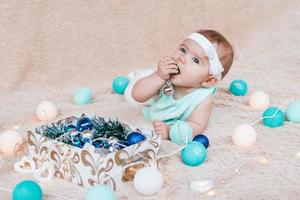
{"x":215,"y":66}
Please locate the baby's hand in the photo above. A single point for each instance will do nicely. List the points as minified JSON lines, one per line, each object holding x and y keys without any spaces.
{"x":166,"y":67}
{"x":161,"y":129}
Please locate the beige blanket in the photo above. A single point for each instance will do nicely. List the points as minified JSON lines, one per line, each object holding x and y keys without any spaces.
{"x":49,"y":48}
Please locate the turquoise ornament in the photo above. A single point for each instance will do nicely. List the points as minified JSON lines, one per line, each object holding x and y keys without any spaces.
{"x":119,"y":84}
{"x":75,"y":138}
{"x":238,"y":87}
{"x":103,"y":192}
{"x":271,"y":119}
{"x":193,"y":154}
{"x":69,"y":128}
{"x":293,"y":112}
{"x":82,"y":96}
{"x":27,"y":190}
{"x":180,"y":132}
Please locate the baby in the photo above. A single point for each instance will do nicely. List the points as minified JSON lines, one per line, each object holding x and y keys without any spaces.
{"x":183,"y":85}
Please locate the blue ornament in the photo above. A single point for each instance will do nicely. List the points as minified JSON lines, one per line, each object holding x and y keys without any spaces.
{"x":84,"y":123}
{"x":103,"y":192}
{"x":96,"y":144}
{"x":135,"y":137}
{"x":293,"y":112}
{"x":27,"y":190}
{"x":238,"y":87}
{"x":193,"y":154}
{"x":203,"y":139}
{"x":119,"y":84}
{"x":273,"y":120}
{"x":82,"y":96}
{"x":180,"y":132}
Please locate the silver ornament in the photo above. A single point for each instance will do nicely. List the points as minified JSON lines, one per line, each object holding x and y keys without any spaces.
{"x":70,"y":120}
{"x":112,"y":141}
{"x":168,"y":89}
{"x":75,"y":138}
{"x":86,"y":136}
{"x":74,"y":134}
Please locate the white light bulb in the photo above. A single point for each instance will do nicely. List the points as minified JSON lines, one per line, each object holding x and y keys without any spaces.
{"x":211,"y":193}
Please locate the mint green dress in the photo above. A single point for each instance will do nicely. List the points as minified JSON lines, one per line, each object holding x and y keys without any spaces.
{"x":167,"y":109}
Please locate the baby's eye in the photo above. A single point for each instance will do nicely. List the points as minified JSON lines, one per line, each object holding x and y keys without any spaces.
{"x":195,"y":60}
{"x":182,"y":50}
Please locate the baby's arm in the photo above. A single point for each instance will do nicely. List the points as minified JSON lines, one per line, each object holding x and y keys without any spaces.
{"x":200,"y":116}
{"x":147,"y":87}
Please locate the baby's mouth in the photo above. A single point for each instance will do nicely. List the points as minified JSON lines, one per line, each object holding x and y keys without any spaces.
{"x":177,"y":69}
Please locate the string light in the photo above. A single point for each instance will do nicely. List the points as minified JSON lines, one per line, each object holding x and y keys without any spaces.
{"x":211,"y":193}
{"x":264,"y":161}
{"x":16,"y":127}
{"x":274,"y":114}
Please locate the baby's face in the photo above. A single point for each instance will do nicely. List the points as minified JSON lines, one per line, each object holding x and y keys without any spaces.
{"x":193,"y":64}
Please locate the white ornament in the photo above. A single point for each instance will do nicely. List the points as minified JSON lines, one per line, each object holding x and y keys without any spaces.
{"x":46,"y":111}
{"x":244,"y":136}
{"x":201,"y":186}
{"x":259,"y":100}
{"x":148,"y":181}
{"x":9,"y":141}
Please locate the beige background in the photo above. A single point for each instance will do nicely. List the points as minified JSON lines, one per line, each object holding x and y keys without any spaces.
{"x":50,"y":48}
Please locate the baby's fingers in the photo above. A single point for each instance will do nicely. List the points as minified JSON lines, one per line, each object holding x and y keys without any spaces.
{"x":169,"y":62}
{"x":158,"y":126}
{"x":172,"y":66}
{"x":163,"y":133}
{"x":156,"y":122}
{"x":172,"y":71}
{"x":158,"y":130}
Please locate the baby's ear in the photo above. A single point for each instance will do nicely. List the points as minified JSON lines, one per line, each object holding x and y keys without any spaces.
{"x":210,"y":81}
